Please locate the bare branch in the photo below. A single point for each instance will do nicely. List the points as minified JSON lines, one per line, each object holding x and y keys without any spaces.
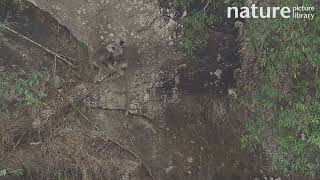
{"x":59,"y":56}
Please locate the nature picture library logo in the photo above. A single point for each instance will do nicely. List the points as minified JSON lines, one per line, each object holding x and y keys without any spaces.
{"x":306,"y":12}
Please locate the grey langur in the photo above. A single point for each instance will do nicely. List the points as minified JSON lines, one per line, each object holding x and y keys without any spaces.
{"x":111,"y":57}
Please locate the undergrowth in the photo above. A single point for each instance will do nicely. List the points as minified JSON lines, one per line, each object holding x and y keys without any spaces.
{"x":20,"y":89}
{"x":11,"y":172}
{"x":285,"y":112}
{"x":201,"y":16}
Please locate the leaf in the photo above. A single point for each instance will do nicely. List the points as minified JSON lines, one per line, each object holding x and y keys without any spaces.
{"x":3,"y":172}
{"x":17,"y":172}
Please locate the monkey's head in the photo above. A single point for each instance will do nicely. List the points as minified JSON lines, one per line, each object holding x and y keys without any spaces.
{"x":121,"y":42}
{"x":111,"y":48}
{"x":116,"y":48}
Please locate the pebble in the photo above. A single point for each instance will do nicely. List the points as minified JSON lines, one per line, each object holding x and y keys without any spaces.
{"x":169,"y":169}
{"x":303,"y":137}
{"x":232,"y":92}
{"x":184,"y":14}
{"x":218,"y":73}
{"x":57,"y":82}
{"x":146,"y":97}
{"x":190,"y":160}
{"x":219,"y":58}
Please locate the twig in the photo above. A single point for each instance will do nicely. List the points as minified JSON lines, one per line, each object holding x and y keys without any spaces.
{"x":7,"y":18}
{"x":107,"y":137}
{"x":54,"y":71}
{"x":205,"y":7}
{"x":317,"y":71}
{"x":244,"y":35}
{"x":147,"y":27}
{"x":62,"y":57}
{"x":146,"y":118}
{"x":16,"y":144}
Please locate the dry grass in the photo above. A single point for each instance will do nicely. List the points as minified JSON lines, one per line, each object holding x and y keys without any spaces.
{"x":68,"y":149}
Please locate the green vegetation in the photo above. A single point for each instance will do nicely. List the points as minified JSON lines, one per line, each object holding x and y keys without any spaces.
{"x":285,"y":112}
{"x":22,"y":88}
{"x":83,"y":45}
{"x":11,"y":172}
{"x":29,"y":90}
{"x":194,"y":31}
{"x":201,"y":15}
